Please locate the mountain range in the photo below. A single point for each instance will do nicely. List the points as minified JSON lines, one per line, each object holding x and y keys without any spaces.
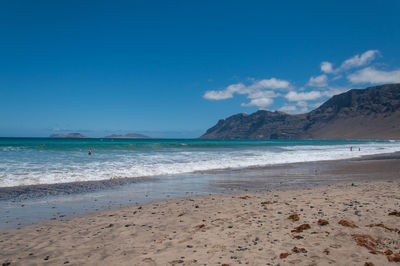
{"x":371,"y":113}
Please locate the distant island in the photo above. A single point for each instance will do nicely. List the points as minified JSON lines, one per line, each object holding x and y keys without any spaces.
{"x":371,"y":113}
{"x":69,"y":135}
{"x":113,"y":136}
{"x":128,"y":136}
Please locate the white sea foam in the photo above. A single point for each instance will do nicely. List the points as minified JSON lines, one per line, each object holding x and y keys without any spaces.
{"x":62,"y":167}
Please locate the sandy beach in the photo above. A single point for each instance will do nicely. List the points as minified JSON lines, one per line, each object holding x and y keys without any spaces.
{"x":342,"y":224}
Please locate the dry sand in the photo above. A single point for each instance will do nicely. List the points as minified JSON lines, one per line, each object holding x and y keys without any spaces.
{"x":249,"y":229}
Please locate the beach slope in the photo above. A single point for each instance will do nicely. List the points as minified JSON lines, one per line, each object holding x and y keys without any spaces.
{"x":341,"y":224}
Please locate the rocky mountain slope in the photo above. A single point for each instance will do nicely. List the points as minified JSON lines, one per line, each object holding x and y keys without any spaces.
{"x":372,"y":113}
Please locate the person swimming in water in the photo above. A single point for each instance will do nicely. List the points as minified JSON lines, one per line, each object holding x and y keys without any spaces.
{"x":90,"y":151}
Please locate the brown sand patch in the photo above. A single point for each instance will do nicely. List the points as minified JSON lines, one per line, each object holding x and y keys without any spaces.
{"x":367,"y":241}
{"x":383,"y":226}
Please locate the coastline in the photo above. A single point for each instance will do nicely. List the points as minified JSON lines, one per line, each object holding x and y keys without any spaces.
{"x":23,"y":206}
{"x":93,"y":185}
{"x":247,"y":228}
{"x":234,"y":217}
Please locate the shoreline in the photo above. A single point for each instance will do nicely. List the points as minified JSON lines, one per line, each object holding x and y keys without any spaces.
{"x":33,"y":205}
{"x":92,"y":185}
{"x":245,"y":228}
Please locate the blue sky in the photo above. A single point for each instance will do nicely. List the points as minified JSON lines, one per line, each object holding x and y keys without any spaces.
{"x":174,"y":68}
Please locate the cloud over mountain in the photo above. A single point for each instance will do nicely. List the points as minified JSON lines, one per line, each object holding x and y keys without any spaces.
{"x":287,"y":97}
{"x":373,"y":76}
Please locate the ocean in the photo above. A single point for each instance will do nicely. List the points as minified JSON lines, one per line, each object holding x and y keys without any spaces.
{"x":32,"y":161}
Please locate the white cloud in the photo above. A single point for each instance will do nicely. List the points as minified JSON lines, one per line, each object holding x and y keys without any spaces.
{"x":261,"y":99}
{"x":257,"y":92}
{"x":225,"y":94}
{"x":337,"y":77}
{"x":288,"y":108}
{"x":318,"y":81}
{"x":294,"y":96}
{"x":272,"y":83}
{"x":262,"y":94}
{"x":353,"y":62}
{"x":371,"y":75}
{"x":294,"y":109}
{"x":259,"y":102}
{"x":302,"y":104}
{"x":326,"y":67}
{"x":359,"y":60}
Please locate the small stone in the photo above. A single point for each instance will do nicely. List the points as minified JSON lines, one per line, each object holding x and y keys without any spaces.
{"x":300,"y":228}
{"x":266,"y":202}
{"x":299,"y":250}
{"x":388,"y":252}
{"x":284,"y":255}
{"x":297,"y":237}
{"x":322,"y":222}
{"x":394,"y":258}
{"x":200,"y":226}
{"x":294,"y":217}
{"x":395,"y":213}
{"x":347,"y":223}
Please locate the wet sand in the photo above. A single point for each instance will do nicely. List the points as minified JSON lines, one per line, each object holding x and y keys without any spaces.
{"x":342,"y":224}
{"x":26,"y":205}
{"x":250,"y":226}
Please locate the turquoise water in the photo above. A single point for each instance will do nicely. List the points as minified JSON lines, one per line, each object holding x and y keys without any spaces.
{"x":29,"y":161}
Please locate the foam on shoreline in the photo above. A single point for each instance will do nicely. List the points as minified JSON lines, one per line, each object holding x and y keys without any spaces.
{"x":32,"y":165}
